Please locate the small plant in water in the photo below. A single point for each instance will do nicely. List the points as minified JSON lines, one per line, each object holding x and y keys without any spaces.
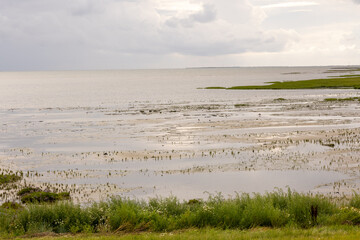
{"x":241,"y":105}
{"x":9,"y":178}
{"x":36,"y":195}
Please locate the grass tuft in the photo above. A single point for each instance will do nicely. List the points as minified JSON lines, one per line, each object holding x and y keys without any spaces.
{"x":40,"y":197}
{"x":11,"y":205}
{"x":9,"y":178}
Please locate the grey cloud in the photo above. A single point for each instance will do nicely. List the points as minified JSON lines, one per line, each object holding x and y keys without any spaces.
{"x":58,"y":34}
{"x":271,"y":41}
{"x":356,"y":1}
{"x":86,"y":7}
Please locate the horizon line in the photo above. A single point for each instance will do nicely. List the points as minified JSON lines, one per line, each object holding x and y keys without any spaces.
{"x":180,"y":68}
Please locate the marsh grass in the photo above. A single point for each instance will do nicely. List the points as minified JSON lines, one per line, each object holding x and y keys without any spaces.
{"x":355,"y":201}
{"x":274,"y":210}
{"x":349,"y":81}
{"x":36,"y":195}
{"x":239,"y":105}
{"x":318,"y":233}
{"x":39,"y":197}
{"x":59,"y":218}
{"x":215,"y":88}
{"x":11,"y":205}
{"x":342,"y":99}
{"x":9,"y":178}
{"x":28,"y":190}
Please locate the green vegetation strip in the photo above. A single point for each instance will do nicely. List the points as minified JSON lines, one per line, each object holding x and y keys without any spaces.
{"x":339,"y":82}
{"x":342,"y":99}
{"x":273,"y":210}
{"x":332,"y":233}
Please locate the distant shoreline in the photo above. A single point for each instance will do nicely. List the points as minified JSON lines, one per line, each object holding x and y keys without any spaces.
{"x":344,"y":81}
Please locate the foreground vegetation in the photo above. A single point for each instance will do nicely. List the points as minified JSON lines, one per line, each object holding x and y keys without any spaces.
{"x":273,"y":210}
{"x":346,"y":81}
{"x":337,"y":232}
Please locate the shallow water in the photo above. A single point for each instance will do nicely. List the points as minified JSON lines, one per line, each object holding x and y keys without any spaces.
{"x":130,"y":88}
{"x":189,"y":186}
{"x":153,"y":132}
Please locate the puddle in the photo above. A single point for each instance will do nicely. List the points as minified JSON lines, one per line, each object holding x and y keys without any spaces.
{"x":307,"y":148}
{"x":188,"y":186}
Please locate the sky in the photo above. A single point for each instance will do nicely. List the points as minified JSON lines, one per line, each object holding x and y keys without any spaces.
{"x":137,"y":34}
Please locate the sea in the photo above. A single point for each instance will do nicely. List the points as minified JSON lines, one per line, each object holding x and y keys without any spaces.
{"x":123,"y":88}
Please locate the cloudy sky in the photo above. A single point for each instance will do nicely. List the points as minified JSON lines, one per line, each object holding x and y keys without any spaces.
{"x":123,"y":34}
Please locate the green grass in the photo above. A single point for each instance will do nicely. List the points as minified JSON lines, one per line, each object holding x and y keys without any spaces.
{"x":350,"y":81}
{"x":342,"y":99}
{"x":39,"y":197}
{"x":28,"y":190}
{"x":9,"y":178}
{"x":215,"y":88}
{"x":332,"y":233}
{"x":272,"y":210}
{"x":36,"y":195}
{"x":11,"y":205}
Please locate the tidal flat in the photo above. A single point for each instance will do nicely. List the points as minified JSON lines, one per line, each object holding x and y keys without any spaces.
{"x":189,"y":148}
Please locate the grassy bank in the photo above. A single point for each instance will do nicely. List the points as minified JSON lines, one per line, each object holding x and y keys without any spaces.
{"x":272,"y":210}
{"x":346,"y":81}
{"x":337,"y":232}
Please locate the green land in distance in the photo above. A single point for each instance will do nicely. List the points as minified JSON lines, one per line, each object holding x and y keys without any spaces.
{"x":344,"y":81}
